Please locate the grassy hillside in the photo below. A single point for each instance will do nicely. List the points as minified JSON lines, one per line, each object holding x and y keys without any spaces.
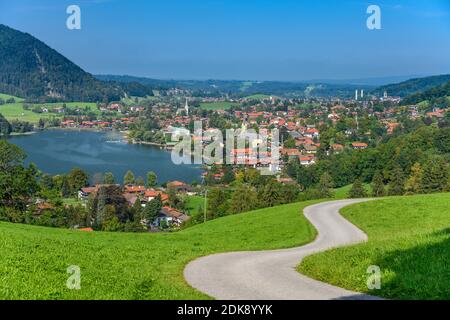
{"x":15,"y":111}
{"x":222,"y":105}
{"x":409,"y":239}
{"x":7,"y":96}
{"x":134,"y":266}
{"x":342,"y":192}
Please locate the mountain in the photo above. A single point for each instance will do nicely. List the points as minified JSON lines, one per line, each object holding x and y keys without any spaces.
{"x":249,"y":87}
{"x":375,"y":81}
{"x":412,"y":86}
{"x":439,"y":95}
{"x":31,"y":69}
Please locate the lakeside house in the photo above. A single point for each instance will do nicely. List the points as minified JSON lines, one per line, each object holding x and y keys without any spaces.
{"x":359,"y":145}
{"x":169,"y":216}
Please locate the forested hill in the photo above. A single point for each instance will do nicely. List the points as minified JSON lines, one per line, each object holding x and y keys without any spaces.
{"x":412,"y":86}
{"x":242,"y":88}
{"x":31,"y":69}
{"x":439,"y":96}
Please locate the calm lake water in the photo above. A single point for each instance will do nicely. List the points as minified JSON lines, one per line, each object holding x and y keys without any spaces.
{"x":58,"y":151}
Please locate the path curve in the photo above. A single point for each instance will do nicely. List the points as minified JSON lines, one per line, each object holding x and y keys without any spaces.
{"x":272,"y":275}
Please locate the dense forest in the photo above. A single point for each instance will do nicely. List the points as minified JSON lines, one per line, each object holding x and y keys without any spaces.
{"x":412,"y":86}
{"x":437,"y":96}
{"x":31,"y":69}
{"x":424,"y":147}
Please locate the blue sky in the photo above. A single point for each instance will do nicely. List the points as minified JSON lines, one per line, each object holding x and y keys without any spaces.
{"x":243,"y":39}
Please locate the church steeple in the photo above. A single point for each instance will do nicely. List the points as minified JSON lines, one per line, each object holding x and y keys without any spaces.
{"x":186,"y":107}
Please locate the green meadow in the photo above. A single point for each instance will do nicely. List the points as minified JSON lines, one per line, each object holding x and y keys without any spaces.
{"x":257,"y":97}
{"x":34,"y":260}
{"x":220,"y":105}
{"x":409,"y":239}
{"x":15,"y":111}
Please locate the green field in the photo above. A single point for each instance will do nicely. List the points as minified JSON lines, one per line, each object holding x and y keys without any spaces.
{"x":92,"y":106}
{"x":257,"y":97}
{"x":193,"y":204}
{"x":129,"y":101}
{"x":409,"y":239}
{"x":15,"y":111}
{"x":7,"y":96}
{"x":34,"y":259}
{"x":221,"y":105}
{"x":342,"y":192}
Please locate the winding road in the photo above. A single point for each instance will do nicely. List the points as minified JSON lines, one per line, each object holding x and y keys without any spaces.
{"x":272,"y":275}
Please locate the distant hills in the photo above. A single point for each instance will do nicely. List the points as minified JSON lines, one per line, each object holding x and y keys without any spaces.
{"x":245,"y":88}
{"x":32,"y":70}
{"x":436,"y":95}
{"x":412,"y":86}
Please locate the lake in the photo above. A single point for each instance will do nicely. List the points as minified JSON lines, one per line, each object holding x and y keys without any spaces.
{"x":58,"y":151}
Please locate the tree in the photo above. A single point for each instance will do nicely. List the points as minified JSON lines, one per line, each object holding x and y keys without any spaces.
{"x":108,"y":178}
{"x":325,"y":186}
{"x":98,"y":178}
{"x":5,"y":126}
{"x":65,"y":188}
{"x":46,"y":182}
{"x":269,"y":194}
{"x":228,"y":174}
{"x":110,"y":221}
{"x":11,"y":156}
{"x":216,"y":203}
{"x":152,"y":209}
{"x":109,"y":195}
{"x":152,"y":179}
{"x":289,"y":143}
{"x":17,"y":184}
{"x":397,"y":182}
{"x":140,"y":181}
{"x":357,"y":190}
{"x":128,"y":178}
{"x":136,"y":211}
{"x":244,"y":199}
{"x":414,"y":182}
{"x":435,"y":175}
{"x":378,"y":189}
{"x":77,"y":179}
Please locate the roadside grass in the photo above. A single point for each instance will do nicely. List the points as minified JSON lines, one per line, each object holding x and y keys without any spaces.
{"x":342,"y":192}
{"x":409,"y":239}
{"x":34,"y":259}
{"x":220,"y":105}
{"x":193,"y":203}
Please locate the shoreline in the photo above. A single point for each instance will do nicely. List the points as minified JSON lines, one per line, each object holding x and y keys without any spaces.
{"x":18,"y":134}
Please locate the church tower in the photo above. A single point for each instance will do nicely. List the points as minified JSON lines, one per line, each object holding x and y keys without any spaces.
{"x":186,"y":107}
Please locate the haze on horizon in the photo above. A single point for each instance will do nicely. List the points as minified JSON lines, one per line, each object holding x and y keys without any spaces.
{"x":254,"y":39}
